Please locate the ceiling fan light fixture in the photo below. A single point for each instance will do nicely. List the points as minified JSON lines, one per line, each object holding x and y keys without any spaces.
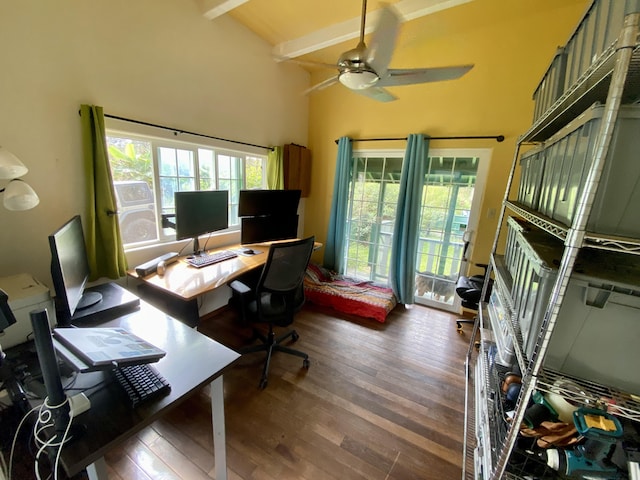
{"x":358,"y":80}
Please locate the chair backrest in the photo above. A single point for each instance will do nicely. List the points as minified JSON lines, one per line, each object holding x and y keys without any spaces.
{"x":285,"y":267}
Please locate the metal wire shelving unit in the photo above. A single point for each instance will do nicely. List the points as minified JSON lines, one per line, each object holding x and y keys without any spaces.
{"x":612,"y":79}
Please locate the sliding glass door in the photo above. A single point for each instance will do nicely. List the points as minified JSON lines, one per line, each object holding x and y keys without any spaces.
{"x":448,"y":219}
{"x":373,"y":197}
{"x":449,"y":215}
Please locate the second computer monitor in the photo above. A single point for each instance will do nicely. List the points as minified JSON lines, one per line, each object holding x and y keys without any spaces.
{"x":268,"y":228}
{"x":257,"y":203}
{"x":267,"y":215}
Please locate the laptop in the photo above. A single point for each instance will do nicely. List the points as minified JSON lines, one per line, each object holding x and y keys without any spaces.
{"x":104,"y":347}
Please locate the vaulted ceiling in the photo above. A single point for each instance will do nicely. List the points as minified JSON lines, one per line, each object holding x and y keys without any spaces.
{"x":309,"y":28}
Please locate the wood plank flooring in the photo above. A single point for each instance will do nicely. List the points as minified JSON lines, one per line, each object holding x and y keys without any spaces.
{"x":379,"y":402}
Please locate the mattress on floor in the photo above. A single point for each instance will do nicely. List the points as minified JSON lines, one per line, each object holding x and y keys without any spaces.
{"x":347,"y":295}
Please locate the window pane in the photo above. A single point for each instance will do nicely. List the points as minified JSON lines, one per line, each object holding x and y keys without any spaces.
{"x":168,"y":186}
{"x":167,"y":162}
{"x":253,"y":170}
{"x":446,"y":206}
{"x":224,"y":166}
{"x":132,"y":170}
{"x":206,"y":169}
{"x":374,"y":195}
{"x":185,"y":163}
{"x":187,"y":184}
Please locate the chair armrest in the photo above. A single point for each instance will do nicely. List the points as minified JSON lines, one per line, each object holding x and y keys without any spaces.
{"x":239,"y":288}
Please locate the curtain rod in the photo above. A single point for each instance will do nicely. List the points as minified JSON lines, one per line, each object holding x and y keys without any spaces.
{"x":499,"y":138}
{"x":178,"y":130}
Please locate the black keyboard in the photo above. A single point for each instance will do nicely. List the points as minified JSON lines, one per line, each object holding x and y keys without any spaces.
{"x":141,"y":383}
{"x":204,"y":260}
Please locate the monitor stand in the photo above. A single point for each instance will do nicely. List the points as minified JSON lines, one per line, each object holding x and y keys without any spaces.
{"x":89,"y":298}
{"x":196,"y":246}
{"x":114,"y":302}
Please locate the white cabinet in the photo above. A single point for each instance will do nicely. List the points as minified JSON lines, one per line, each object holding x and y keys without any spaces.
{"x":565,"y":309}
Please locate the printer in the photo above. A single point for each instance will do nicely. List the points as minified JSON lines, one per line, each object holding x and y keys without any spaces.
{"x":25,"y":295}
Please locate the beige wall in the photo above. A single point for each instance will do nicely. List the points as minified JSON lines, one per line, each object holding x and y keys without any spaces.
{"x":159,"y":61}
{"x":511,"y":45}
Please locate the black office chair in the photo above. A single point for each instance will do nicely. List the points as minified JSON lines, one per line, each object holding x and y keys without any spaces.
{"x":469,"y":289}
{"x":277,"y":296}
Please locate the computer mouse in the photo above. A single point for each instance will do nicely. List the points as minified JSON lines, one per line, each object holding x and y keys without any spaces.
{"x":161,"y":268}
{"x":249,"y":251}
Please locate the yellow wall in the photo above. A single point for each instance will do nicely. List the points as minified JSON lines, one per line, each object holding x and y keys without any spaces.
{"x":511,"y":44}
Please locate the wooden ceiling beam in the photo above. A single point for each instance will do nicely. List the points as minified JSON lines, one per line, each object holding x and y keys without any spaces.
{"x":215,"y":8}
{"x":350,"y":29}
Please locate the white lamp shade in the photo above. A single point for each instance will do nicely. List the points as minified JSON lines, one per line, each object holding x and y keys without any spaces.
{"x":358,"y":80}
{"x":19,"y":195}
{"x":10,"y":166}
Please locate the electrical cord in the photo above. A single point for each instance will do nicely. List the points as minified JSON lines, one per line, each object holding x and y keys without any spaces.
{"x":15,"y":438}
{"x":3,"y":466}
{"x":45,"y":422}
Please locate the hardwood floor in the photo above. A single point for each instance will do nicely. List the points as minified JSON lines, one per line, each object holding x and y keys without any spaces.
{"x":379,"y":402}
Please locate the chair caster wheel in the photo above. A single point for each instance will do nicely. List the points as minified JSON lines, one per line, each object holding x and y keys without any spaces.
{"x":295,"y":336}
{"x":306,"y":363}
{"x":263,"y":384}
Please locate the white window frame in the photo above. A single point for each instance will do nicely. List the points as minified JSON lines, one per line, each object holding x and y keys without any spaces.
{"x":160,"y":138}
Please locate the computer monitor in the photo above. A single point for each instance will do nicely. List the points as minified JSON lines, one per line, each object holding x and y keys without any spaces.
{"x":268,"y":228}
{"x":70,"y":269}
{"x":256,"y":203}
{"x":267,"y":215}
{"x":199,"y":213}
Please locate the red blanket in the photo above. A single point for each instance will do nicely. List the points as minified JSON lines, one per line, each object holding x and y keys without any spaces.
{"x":361,"y":298}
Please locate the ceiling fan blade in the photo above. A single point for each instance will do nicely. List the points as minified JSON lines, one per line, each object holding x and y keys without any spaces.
{"x":322,"y":85}
{"x":305,"y":63}
{"x":422,"y":75}
{"x":383,"y":41}
{"x":376,"y":93}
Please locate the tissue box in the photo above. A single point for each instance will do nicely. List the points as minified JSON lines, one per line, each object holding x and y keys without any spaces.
{"x":25,"y":295}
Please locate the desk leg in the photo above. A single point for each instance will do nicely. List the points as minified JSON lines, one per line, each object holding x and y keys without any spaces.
{"x":98,"y":470}
{"x":219,"y":440}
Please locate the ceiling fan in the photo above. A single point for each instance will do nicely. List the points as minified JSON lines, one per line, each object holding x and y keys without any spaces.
{"x":364,"y":70}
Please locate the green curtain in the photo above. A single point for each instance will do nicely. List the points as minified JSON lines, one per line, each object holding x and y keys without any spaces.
{"x":275,"y":169}
{"x":334,"y":254}
{"x":102,"y":230}
{"x":406,"y":230}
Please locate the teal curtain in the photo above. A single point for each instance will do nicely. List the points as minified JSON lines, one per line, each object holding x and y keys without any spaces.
{"x":406,"y":231}
{"x":337,"y":233}
{"x":102,"y":230}
{"x":275,"y":169}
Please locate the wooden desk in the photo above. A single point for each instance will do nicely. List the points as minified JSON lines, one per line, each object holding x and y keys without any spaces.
{"x":192,"y":361}
{"x":187,"y":282}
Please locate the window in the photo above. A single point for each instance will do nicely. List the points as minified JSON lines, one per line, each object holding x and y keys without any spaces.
{"x":147,"y":171}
